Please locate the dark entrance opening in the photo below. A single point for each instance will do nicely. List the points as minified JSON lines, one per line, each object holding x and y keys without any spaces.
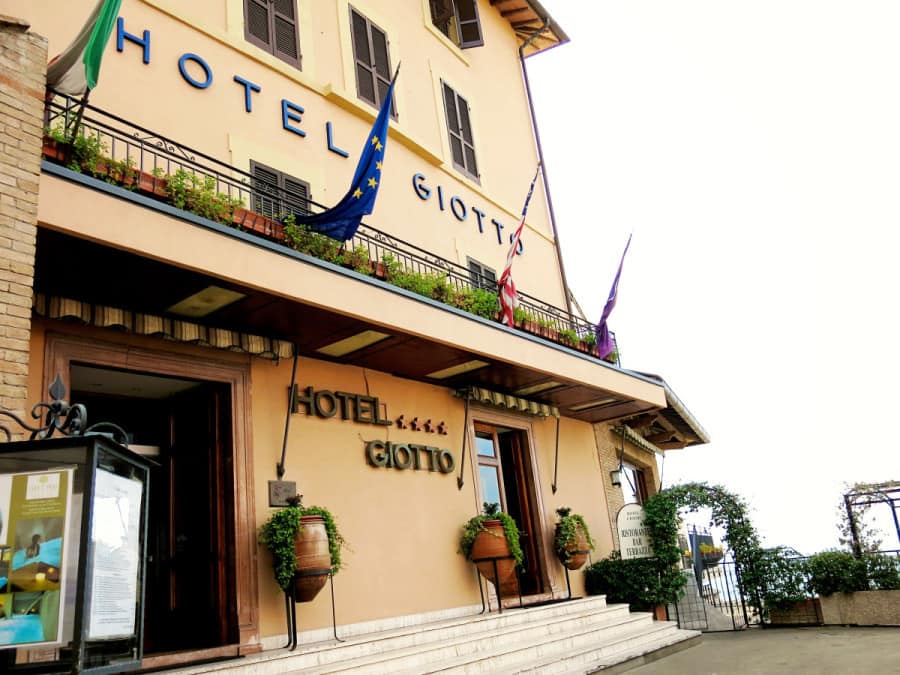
{"x":506,"y":477}
{"x":185,"y":427}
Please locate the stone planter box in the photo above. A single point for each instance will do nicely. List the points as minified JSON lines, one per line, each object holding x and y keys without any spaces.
{"x":803,"y":613}
{"x":863,"y":608}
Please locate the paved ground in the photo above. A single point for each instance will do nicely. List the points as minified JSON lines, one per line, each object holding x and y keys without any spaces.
{"x":832,"y":650}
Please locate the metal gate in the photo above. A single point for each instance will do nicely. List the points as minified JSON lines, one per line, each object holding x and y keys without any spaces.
{"x":714,"y":600}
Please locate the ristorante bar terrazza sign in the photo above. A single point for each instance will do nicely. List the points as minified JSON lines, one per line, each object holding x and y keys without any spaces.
{"x":366,"y":409}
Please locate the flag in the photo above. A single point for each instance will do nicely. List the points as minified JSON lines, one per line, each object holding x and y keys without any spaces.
{"x":509,"y":300}
{"x":604,"y":341}
{"x":342,"y":220}
{"x":76,"y":71}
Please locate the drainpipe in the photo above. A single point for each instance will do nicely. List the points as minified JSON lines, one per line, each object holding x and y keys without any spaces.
{"x":537,"y":138}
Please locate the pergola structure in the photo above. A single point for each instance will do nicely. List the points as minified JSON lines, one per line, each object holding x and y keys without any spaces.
{"x":878,"y":493}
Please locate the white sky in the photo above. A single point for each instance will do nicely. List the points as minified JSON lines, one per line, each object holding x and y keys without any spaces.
{"x":754,"y":150}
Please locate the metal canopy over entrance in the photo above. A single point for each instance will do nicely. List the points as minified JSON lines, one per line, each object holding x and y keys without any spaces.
{"x":153,"y":287}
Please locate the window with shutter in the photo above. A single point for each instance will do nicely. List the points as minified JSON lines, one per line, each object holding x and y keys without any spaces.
{"x":275,"y":194}
{"x":272,"y":26}
{"x":371,"y":55}
{"x":459,"y":128}
{"x":458,"y":20}
{"x":482,"y":276}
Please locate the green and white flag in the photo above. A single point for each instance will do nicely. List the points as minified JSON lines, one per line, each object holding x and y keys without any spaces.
{"x":76,"y":70}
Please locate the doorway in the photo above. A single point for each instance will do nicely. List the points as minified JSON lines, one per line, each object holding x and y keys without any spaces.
{"x":505,"y":477}
{"x":184,"y":426}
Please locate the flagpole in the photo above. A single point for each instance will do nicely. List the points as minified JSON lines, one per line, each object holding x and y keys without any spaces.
{"x":79,"y":115}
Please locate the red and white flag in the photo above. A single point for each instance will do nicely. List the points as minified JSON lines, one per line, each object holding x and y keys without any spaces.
{"x":509,"y":299}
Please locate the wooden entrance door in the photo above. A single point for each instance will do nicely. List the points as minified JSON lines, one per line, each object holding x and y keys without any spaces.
{"x":505,"y":477}
{"x":193,"y":573}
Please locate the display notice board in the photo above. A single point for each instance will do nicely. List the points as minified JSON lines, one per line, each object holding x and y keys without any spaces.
{"x":116,"y":551}
{"x":34,"y":514}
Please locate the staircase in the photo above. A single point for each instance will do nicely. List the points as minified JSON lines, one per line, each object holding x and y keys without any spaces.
{"x":578,"y":636}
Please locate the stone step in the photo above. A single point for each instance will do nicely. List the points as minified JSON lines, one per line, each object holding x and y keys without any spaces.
{"x":511,"y":655}
{"x":660,"y":635}
{"x":414,"y":631}
{"x":493,"y":637}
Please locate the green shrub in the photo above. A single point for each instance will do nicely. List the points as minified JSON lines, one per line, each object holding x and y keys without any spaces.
{"x":476,"y":301}
{"x":302,"y":238}
{"x":636,"y":581}
{"x":198,"y":194}
{"x":883,"y":571}
{"x":783,"y":577}
{"x":836,"y":572}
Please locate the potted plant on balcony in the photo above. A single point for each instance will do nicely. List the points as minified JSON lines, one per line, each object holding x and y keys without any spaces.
{"x":572,"y":539}
{"x":710,"y":554}
{"x":491,"y":536}
{"x":305,"y":545}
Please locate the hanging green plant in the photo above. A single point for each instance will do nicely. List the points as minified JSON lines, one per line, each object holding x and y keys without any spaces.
{"x":279,"y":532}
{"x":475,"y":525}
{"x":566,"y":536}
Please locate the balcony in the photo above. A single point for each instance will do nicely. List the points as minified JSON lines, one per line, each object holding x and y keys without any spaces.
{"x":131,"y":164}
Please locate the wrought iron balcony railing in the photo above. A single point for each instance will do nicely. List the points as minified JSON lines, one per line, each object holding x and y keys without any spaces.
{"x":132,"y":155}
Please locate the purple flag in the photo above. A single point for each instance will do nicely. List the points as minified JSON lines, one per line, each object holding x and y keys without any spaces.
{"x":604,"y":342}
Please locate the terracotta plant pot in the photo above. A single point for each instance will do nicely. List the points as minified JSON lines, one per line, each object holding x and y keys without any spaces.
{"x":311,"y":558}
{"x":493,"y":544}
{"x":577,"y":551}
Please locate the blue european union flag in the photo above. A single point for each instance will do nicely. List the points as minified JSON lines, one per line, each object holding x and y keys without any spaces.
{"x":342,"y":220}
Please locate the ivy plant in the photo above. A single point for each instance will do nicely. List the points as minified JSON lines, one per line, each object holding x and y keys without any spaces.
{"x":728,"y":511}
{"x":279,"y":532}
{"x":567,"y":532}
{"x":475,"y":525}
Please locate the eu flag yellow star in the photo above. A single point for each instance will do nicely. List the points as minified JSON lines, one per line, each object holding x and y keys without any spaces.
{"x":375,"y":140}
{"x":357,"y":193}
{"x":378,"y":146}
{"x":378,"y":165}
{"x":372,"y":182}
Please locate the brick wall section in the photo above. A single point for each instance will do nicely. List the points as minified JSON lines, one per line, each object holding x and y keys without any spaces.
{"x":23,"y":68}
{"x":609,"y":448}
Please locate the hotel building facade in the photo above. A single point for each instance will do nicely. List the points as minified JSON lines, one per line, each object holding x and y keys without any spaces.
{"x":180,"y":322}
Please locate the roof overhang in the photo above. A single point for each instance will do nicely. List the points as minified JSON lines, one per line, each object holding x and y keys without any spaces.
{"x":532,"y":24}
{"x":329,"y":313}
{"x":671,"y":428}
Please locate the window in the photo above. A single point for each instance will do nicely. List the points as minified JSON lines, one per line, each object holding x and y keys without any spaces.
{"x":634,"y":485}
{"x":373,"y":62}
{"x":459,"y":126}
{"x":458,"y":20}
{"x":276,"y":194}
{"x":272,"y":26}
{"x":482,"y":276}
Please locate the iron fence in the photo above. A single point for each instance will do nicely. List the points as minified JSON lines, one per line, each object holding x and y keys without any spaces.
{"x":717,"y":599}
{"x":140,"y":149}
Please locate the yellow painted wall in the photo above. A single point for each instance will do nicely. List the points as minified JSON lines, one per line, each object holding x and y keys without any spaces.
{"x":403,"y":526}
{"x":214,"y":120}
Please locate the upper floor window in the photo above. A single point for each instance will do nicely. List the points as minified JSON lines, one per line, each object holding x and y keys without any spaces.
{"x":482,"y":276}
{"x":275,"y":194}
{"x":459,"y":127}
{"x":272,"y":26}
{"x":373,"y":62}
{"x":458,"y":20}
